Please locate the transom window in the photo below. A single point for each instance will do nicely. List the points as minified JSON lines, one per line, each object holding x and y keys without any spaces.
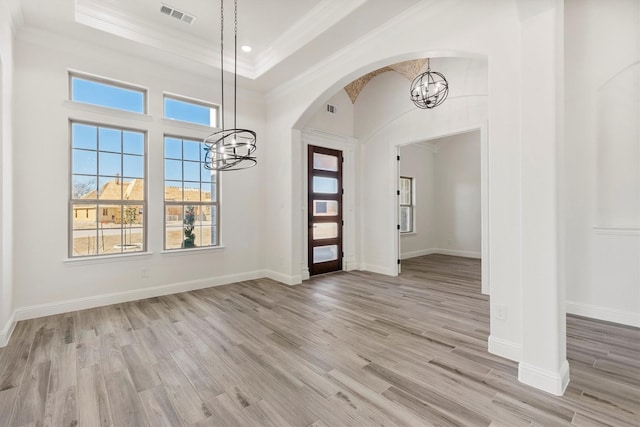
{"x":106,"y":93}
{"x":190,"y":111}
{"x":108,"y":192}
{"x":190,"y":196}
{"x":406,"y":204}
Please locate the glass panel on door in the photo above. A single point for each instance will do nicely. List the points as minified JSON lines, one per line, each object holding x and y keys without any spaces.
{"x":325,"y":253}
{"x":325,"y":185}
{"x":325,"y":230}
{"x":325,"y":162}
{"x":325,"y":208}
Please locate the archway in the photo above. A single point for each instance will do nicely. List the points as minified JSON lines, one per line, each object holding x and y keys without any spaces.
{"x":467,"y":114}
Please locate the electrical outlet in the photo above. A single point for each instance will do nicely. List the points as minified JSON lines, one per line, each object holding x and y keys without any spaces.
{"x":145,"y":273}
{"x":500,"y":312}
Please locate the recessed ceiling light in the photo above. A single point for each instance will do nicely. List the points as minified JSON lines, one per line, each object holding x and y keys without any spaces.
{"x":246,"y":48}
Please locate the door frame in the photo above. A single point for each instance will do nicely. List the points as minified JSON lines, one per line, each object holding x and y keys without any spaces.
{"x":333,"y":265}
{"x":350,"y":148}
{"x":484,"y":195}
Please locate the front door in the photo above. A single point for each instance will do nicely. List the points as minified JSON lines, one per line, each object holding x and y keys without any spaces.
{"x":325,"y":210}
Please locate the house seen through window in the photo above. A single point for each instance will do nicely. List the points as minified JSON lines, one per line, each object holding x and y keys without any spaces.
{"x":190,"y":196}
{"x":108,"y":203}
{"x":108,"y":193}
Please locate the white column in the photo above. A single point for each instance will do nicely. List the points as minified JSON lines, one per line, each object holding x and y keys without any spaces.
{"x":6,"y":176}
{"x":543,"y":362}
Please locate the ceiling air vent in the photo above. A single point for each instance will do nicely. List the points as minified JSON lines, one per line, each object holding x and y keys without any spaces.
{"x":331,"y":109}
{"x":178,"y":14}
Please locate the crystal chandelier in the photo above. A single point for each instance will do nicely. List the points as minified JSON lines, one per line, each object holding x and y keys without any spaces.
{"x":230,"y":149}
{"x":429,"y":89}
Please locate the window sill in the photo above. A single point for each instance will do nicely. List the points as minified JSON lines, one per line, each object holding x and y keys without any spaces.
{"x":191,"y":126}
{"x":105,"y":259}
{"x":618,"y":231}
{"x":183,"y":251}
{"x":407,"y":233}
{"x":106,"y":110}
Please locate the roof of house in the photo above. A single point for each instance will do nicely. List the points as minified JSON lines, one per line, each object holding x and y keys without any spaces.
{"x":116,"y":189}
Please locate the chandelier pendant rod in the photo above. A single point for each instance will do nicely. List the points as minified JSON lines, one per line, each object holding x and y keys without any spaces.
{"x":235,"y":63}
{"x":229,"y":149}
{"x":235,"y":70}
{"x":222,"y":62}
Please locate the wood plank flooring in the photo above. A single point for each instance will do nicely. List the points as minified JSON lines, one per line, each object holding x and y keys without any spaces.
{"x":344,"y":349}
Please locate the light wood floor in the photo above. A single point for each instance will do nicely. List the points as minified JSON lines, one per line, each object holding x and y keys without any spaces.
{"x":345,"y":349}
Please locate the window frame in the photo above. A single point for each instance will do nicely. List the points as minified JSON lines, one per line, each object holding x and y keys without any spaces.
{"x":410,"y":206}
{"x":194,"y":101}
{"x":97,"y":201}
{"x":214,"y":203}
{"x":109,"y":82}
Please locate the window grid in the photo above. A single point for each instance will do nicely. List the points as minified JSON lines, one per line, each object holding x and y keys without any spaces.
{"x":191,"y":205}
{"x":406,"y":205}
{"x":107,"y":212}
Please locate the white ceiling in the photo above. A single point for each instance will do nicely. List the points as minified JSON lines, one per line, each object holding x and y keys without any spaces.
{"x":287,"y":36}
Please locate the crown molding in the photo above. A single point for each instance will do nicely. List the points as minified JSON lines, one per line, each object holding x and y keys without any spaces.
{"x":337,"y":59}
{"x":64,"y":43}
{"x":103,"y":17}
{"x":317,"y":21}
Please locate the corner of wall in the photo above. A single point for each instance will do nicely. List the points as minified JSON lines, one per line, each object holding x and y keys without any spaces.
{"x":554,"y":382}
{"x":286,"y":279}
{"x":5,"y":333}
{"x":503,"y":348}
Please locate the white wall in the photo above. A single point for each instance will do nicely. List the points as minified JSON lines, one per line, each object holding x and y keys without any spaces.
{"x":417,"y":161}
{"x":602,"y":159}
{"x":6,"y":173}
{"x":44,"y":280}
{"x":447,"y":180}
{"x":338,"y":123}
{"x":383,"y":115}
{"x":457,"y":175}
{"x":466,"y":28}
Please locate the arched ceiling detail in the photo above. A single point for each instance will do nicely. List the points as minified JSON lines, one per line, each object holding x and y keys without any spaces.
{"x":408,"y":69}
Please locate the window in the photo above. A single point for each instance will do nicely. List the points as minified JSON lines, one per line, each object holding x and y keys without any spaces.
{"x":190,"y":196}
{"x":106,"y":93}
{"x":108,"y":193}
{"x":406,"y":204}
{"x":190,"y":111}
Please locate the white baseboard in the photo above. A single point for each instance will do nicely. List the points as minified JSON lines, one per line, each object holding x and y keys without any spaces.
{"x":503,"y":348}
{"x":628,"y":318}
{"x":388,"y":271}
{"x":414,"y":254}
{"x":5,"y":333}
{"x":283,"y":278}
{"x":452,"y":252}
{"x":31,"y":312}
{"x":350,"y":264}
{"x":554,"y":382}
